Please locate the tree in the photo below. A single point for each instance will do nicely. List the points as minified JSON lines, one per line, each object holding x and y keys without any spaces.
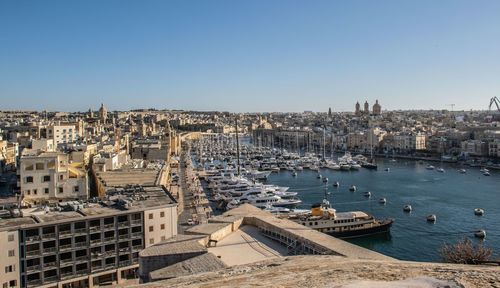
{"x":465,"y":252}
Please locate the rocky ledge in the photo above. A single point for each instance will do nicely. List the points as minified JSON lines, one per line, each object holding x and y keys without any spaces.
{"x":334,"y":271}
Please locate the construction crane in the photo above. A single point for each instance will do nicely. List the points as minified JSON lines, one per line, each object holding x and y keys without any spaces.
{"x":452,"y":106}
{"x":496,"y":101}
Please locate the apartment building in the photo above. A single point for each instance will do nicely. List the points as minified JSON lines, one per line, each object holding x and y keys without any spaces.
{"x":85,"y":244}
{"x":49,"y":177}
{"x":62,"y":134}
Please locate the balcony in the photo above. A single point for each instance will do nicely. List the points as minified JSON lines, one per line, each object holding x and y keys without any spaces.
{"x":109,"y":252}
{"x":32,"y":239}
{"x":125,"y":263}
{"x":65,"y":233}
{"x":95,"y":228}
{"x":82,"y":272}
{"x":96,"y":256}
{"x":124,"y":250}
{"x":82,"y":259}
{"x":109,"y":226}
{"x":109,"y":266}
{"x":49,"y":250}
{"x":137,"y":248}
{"x":81,"y":244}
{"x":95,"y":242}
{"x":80,"y":231}
{"x":67,"y":275}
{"x":97,"y":268}
{"x":136,"y":222}
{"x":50,"y":236}
{"x":32,"y":253}
{"x":34,"y":283}
{"x":51,"y":279}
{"x":33,"y":268}
{"x":124,"y":236}
{"x":66,"y":261}
{"x":136,"y":235}
{"x":109,"y":239}
{"x":123,"y":224}
{"x":65,"y":247}
{"x":49,"y":265}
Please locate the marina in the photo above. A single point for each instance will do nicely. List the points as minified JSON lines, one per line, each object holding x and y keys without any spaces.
{"x":409,"y":203}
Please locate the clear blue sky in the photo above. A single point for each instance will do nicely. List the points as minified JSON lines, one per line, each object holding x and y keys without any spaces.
{"x":258,"y":55}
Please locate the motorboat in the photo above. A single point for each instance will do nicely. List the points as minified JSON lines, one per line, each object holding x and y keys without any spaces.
{"x":352,"y":188}
{"x":336,"y":184}
{"x":407,"y":208}
{"x":368,"y":194}
{"x":325,"y":180}
{"x":480,"y":233}
{"x":382,"y":201}
{"x":387,"y":169}
{"x":430,"y":167}
{"x":440,"y":169}
{"x":431,"y":218}
{"x":486,"y":174}
{"x":294,"y":174}
{"x":462,"y":171}
{"x":319,"y":176}
{"x":479,"y":211}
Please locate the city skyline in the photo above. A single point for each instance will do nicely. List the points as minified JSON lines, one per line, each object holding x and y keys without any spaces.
{"x":249,"y":57}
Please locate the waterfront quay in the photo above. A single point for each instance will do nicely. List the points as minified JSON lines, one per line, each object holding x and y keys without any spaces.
{"x":194,"y":207}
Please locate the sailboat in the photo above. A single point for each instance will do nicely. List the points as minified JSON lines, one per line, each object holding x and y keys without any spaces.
{"x":370,"y":164}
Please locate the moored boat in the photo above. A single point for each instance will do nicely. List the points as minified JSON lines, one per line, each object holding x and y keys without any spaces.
{"x":352,"y":224}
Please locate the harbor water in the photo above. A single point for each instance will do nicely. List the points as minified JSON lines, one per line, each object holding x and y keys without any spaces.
{"x":452,"y":196}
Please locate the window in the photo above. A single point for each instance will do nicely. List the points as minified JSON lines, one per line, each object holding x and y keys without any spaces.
{"x":152,"y":241}
{"x":151,"y":228}
{"x":76,"y":189}
{"x":46,"y":178}
{"x":61,"y":189}
{"x":61,"y":177}
{"x":46,"y":190}
{"x":13,"y":283}
{"x":9,"y":268}
{"x":11,"y":237}
{"x":40,"y":166}
{"x":150,"y":215}
{"x":162,"y":214}
{"x":163,"y":238}
{"x":12,"y":253}
{"x":28,"y":167}
{"x":162,"y":226}
{"x":29,"y":179}
{"x":34,"y":191}
{"x":51,"y":164}
{"x":28,"y":192}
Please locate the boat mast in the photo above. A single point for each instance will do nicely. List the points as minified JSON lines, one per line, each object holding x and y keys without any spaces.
{"x":323,"y":143}
{"x":237,"y":144}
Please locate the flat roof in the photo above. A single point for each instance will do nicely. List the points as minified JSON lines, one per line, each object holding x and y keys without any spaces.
{"x":118,"y":201}
{"x":178,"y":244}
{"x":56,"y":216}
{"x":207,"y":229}
{"x":14,"y":222}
